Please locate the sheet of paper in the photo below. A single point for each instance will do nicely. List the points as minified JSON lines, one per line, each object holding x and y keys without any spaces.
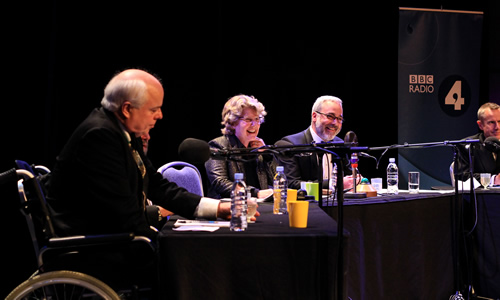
{"x":196,"y":228}
{"x":465,"y":185}
{"x":204,"y":223}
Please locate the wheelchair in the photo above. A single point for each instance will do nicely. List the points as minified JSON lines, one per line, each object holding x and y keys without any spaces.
{"x":65,"y":264}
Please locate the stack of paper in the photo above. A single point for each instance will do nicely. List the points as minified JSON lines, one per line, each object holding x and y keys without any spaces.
{"x":198,"y":225}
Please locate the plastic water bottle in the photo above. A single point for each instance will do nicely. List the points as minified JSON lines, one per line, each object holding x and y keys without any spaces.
{"x":280,"y":186}
{"x":238,"y":204}
{"x":333,"y":181}
{"x":392,"y":177}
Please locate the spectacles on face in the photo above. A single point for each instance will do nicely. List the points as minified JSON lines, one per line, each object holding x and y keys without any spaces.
{"x":332,"y":117}
{"x":258,"y":120}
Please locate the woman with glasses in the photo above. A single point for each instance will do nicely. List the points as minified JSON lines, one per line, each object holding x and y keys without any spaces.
{"x":242,"y":117}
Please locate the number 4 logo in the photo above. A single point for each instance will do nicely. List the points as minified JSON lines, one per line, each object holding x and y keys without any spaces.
{"x":454,"y":96}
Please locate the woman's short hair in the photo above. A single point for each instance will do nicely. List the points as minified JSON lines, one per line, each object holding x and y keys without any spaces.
{"x":120,"y":90}
{"x":233,"y":110}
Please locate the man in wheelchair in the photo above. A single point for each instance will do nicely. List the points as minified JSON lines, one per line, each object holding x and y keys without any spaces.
{"x":102,"y":178}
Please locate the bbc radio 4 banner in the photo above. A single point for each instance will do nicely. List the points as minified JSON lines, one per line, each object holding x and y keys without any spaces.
{"x":438,"y":88}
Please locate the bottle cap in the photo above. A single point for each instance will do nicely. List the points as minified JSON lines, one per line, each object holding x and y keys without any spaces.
{"x":279,"y":168}
{"x":238,"y":176}
{"x":392,"y":159}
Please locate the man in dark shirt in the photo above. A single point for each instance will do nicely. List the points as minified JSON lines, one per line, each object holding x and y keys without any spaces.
{"x":484,"y":160}
{"x":102,"y":178}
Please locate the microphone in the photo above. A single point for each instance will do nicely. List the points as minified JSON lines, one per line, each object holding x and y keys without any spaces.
{"x":351,"y":138}
{"x":492,"y":144}
{"x":194,"y":151}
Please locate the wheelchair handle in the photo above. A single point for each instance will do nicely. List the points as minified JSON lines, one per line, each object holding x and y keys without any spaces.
{"x":12,"y":175}
{"x":8,"y":176}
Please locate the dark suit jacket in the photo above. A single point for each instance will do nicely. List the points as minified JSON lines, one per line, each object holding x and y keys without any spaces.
{"x":96,"y":186}
{"x":482,"y":158}
{"x":304,"y":166}
{"x":221,"y":173}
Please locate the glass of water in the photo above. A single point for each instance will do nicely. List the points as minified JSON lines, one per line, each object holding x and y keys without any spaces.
{"x":252,"y":208}
{"x":485,"y":180}
{"x":413,"y":182}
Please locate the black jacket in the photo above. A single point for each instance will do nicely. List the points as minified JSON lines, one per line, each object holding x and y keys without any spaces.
{"x":483,"y":161}
{"x":221,"y":173}
{"x":304,"y":166}
{"x":96,"y":186}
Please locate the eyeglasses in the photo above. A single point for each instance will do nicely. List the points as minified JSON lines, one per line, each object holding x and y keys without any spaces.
{"x":332,"y":117}
{"x":258,"y":120}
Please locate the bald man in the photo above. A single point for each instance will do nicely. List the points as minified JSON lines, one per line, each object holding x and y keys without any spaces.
{"x":102,"y":178}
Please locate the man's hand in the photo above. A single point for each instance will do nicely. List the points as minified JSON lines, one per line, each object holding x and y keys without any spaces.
{"x":224,"y":211}
{"x":348,"y":181}
{"x":164,"y":212}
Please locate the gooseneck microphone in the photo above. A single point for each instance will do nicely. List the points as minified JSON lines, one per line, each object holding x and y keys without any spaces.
{"x":492,"y":144}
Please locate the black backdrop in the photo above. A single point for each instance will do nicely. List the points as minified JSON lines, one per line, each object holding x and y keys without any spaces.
{"x":59,"y":55}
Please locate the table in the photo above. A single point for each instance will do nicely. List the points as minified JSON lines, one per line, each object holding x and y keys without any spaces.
{"x":268,"y":261}
{"x":401,"y":246}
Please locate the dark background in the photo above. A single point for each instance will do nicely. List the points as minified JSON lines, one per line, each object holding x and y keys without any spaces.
{"x":59,"y":56}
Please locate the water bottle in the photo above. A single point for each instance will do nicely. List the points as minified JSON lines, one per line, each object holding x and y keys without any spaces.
{"x":280,"y":186}
{"x":392,"y":177}
{"x":238,"y":204}
{"x":333,"y":181}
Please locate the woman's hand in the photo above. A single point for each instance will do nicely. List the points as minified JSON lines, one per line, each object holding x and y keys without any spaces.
{"x":256,"y":143}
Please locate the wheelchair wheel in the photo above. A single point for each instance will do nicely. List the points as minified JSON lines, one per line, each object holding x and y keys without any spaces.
{"x":63,"y":285}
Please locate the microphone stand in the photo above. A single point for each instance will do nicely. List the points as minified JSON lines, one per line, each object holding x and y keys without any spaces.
{"x":425,"y":145}
{"x":347,"y":148}
{"x":456,"y":205}
{"x":325,"y":147}
{"x":340,"y":205}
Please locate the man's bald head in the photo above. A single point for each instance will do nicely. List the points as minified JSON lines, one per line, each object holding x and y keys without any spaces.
{"x":132,"y":85}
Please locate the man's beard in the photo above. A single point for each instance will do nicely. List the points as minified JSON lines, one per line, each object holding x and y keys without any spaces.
{"x":326,"y":134}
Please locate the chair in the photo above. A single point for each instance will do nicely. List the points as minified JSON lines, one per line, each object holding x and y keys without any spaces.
{"x":184,"y":175}
{"x":65,"y":259}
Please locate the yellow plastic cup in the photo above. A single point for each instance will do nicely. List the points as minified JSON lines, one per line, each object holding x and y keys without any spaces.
{"x":299,"y":211}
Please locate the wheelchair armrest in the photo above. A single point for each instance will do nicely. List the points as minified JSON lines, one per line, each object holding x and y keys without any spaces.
{"x":104,"y":242}
{"x":94,"y":240}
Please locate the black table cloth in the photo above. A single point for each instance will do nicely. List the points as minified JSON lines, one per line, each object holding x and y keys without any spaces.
{"x":401,"y":246}
{"x":268,"y":261}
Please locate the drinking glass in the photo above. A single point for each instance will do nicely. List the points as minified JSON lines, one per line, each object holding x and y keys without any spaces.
{"x":485,"y":180}
{"x":252,"y":208}
{"x":413,"y":182}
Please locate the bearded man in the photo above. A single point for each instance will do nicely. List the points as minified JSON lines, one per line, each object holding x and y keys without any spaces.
{"x":326,"y":123}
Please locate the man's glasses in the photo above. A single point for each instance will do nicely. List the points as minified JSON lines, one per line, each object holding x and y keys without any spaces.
{"x":332,"y":117}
